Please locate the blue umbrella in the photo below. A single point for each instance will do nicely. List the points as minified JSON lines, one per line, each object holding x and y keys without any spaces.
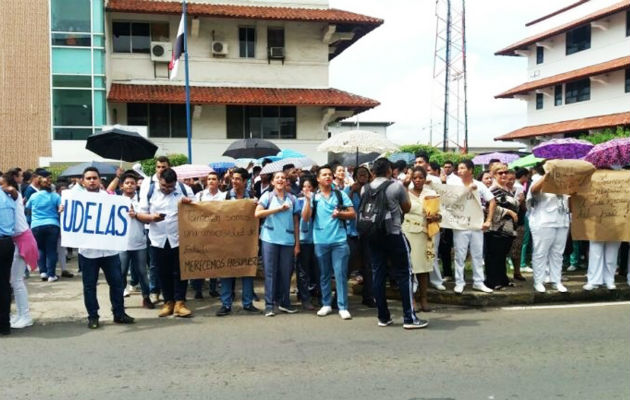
{"x":222,"y":166}
{"x":406,"y":157}
{"x":288,"y":153}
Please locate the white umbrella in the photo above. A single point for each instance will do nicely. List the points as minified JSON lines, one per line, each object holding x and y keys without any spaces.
{"x":186,"y":171}
{"x":276,"y":166}
{"x":357,"y":141}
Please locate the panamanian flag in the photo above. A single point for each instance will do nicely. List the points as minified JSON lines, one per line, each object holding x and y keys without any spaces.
{"x":178,"y":49}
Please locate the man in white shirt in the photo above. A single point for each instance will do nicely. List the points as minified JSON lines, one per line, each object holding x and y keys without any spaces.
{"x":107,"y":260}
{"x":473,"y":239}
{"x":159,"y":208}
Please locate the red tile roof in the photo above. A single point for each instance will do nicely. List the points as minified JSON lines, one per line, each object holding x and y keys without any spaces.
{"x":359,"y":24}
{"x":171,"y":94}
{"x":576,"y":125}
{"x":608,"y":66}
{"x":523,"y":44}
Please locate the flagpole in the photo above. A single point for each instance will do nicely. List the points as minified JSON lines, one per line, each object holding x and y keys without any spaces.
{"x":188,"y":123}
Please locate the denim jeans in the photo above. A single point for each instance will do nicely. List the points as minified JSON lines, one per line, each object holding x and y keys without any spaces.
{"x":307,"y":271}
{"x":46,"y":237}
{"x":137,"y":260}
{"x":111,"y":269}
{"x":197,"y":285}
{"x":396,"y":249}
{"x":333,"y":257}
{"x":154,"y":276}
{"x":167,"y":261}
{"x":226,"y":291}
{"x":278,"y":262}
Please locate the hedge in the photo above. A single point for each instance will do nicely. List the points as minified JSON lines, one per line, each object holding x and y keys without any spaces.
{"x":148,"y":165}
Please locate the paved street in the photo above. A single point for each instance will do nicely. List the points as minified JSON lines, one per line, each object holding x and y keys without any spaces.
{"x":576,"y":353}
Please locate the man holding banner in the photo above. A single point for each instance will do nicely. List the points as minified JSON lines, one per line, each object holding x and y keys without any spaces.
{"x":97,"y":223}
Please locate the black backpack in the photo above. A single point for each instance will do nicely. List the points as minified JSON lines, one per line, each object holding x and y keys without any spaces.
{"x":372,"y":211}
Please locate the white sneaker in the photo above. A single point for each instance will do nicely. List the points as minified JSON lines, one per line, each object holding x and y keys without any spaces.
{"x":384,"y":324}
{"x":419,"y":324}
{"x":154,"y":297}
{"x":539,"y":287}
{"x":44,"y":276}
{"x":325,"y":310}
{"x":13,"y":319}
{"x":459,"y":288}
{"x":344,"y":314}
{"x":572,"y":268}
{"x":482,"y":288}
{"x":22,"y":322}
{"x":560,"y":287}
{"x":611,"y":286}
{"x":126,"y":292}
{"x":53,"y":278}
{"x":589,"y":287}
{"x":439,"y":286}
{"x":527,"y":269}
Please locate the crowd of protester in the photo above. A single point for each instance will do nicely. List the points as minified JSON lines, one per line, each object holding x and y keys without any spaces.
{"x":325,"y":224}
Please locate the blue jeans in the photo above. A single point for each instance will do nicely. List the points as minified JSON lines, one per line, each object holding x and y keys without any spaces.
{"x":167,"y":261}
{"x":278,"y":262}
{"x":111,"y":269}
{"x":396,"y":249}
{"x":46,"y":237}
{"x":137,"y":260}
{"x":154,"y":276}
{"x":333,"y":257}
{"x":226,"y":291}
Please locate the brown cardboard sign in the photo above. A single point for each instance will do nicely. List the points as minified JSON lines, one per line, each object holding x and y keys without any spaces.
{"x":218,"y":239}
{"x":601,"y":208}
{"x":566,"y":176}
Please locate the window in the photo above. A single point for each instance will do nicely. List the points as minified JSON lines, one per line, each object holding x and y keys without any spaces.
{"x":577,"y":91}
{"x":628,"y":23}
{"x":578,"y":39}
{"x":627,"y":80}
{"x":540,"y":54}
{"x":70,"y":15}
{"x":162,"y":120}
{"x":275,"y":41}
{"x":247,"y":42}
{"x":539,"y":101}
{"x":557,"y":98}
{"x":261,"y":122}
{"x":136,"y":37}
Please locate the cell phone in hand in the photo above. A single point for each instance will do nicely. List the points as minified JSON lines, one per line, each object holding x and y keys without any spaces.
{"x":162,"y":215}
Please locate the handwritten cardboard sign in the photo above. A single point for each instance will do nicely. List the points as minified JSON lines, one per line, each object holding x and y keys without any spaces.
{"x":566,"y":176}
{"x":459,"y":207}
{"x":601,"y":208}
{"x":218,"y":239}
{"x":94,"y":220}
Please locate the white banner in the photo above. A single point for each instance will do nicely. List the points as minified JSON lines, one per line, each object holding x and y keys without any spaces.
{"x":94,"y":220}
{"x":459,"y":207}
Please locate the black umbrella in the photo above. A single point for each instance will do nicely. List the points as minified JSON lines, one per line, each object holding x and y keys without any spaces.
{"x":77,"y":170}
{"x":251,"y":148}
{"x":119,"y":144}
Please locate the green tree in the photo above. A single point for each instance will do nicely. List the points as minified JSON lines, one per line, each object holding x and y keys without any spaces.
{"x":607,"y":134}
{"x":148,"y":165}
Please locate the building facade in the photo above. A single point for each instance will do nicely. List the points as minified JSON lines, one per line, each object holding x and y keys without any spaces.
{"x":257,"y":69}
{"x":578,"y":67}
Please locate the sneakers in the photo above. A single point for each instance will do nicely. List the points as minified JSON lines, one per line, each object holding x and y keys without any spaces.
{"x":418,"y":324}
{"x":527,"y":269}
{"x":167,"y":309}
{"x":560,"y":287}
{"x":384,"y":324}
{"x":269,"y":312}
{"x":345,"y":314}
{"x":180,"y":309}
{"x":147,"y":303}
{"x":124,"y":319}
{"x":459,"y":289}
{"x":439,"y":286}
{"x":93,"y":323}
{"x":482,"y":288}
{"x":325,"y":310}
{"x":611,"y":286}
{"x":252,"y":309}
{"x":44,"y":276}
{"x":154,"y":297}
{"x":589,"y":287}
{"x":539,"y":287}
{"x":126,"y":292}
{"x":22,"y":322}
{"x":67,"y":274}
{"x":53,"y":279}
{"x":571,"y":268}
{"x":288,"y":309}
{"x":223,"y":311}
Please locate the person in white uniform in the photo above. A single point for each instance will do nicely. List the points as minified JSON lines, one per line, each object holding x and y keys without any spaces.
{"x":602,"y":264}
{"x":548,"y":216}
{"x":464,"y":240}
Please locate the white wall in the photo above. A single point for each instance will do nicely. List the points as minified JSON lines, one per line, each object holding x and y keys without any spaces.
{"x":306,"y":63}
{"x":573,"y":14}
{"x":606,"y":98}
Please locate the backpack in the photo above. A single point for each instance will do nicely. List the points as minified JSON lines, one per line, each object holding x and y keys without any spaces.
{"x":372,"y":211}
{"x":152,"y":189}
{"x":340,"y":206}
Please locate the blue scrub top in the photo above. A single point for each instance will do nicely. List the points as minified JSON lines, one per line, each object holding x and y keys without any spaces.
{"x":306,"y":227}
{"x":44,"y":208}
{"x":326,"y":229}
{"x":7,"y":215}
{"x":278,"y":228}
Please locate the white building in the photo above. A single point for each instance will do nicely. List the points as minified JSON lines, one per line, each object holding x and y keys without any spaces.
{"x":257,"y":69}
{"x":578,"y":68}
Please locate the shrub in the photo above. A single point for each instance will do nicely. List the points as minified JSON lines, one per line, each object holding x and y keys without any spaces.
{"x":148,"y":165}
{"x":607,"y":134}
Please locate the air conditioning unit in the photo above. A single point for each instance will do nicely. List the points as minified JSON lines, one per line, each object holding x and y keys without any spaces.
{"x":219,"y":48}
{"x":161,"y":51}
{"x":276,"y":52}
